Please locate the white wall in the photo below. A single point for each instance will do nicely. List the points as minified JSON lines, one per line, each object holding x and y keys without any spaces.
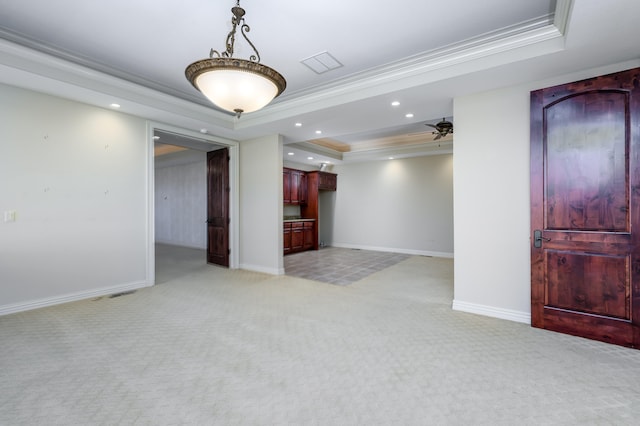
{"x":491,"y":187}
{"x":492,"y":208}
{"x":402,"y":205}
{"x":326,"y":217}
{"x":76,"y":176}
{"x":261,"y":205}
{"x":181,"y":203}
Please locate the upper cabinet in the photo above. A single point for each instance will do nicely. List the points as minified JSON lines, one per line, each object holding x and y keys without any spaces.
{"x":322,"y":181}
{"x":294,"y":186}
{"x":302,"y":187}
{"x":327,"y":181}
{"x":286,"y":186}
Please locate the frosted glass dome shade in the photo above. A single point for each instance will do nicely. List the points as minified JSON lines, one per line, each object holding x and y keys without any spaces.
{"x":236,"y":85}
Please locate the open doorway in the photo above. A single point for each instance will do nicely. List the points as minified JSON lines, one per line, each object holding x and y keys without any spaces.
{"x":184,"y":201}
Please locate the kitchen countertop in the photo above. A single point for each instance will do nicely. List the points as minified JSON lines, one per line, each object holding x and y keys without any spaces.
{"x":298,"y":220}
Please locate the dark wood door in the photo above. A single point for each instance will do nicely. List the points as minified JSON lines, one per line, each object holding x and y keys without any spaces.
{"x":585,"y":208}
{"x":218,"y":207}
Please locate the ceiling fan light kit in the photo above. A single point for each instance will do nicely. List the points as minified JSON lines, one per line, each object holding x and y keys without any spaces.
{"x":443,"y":128}
{"x":233,"y":84}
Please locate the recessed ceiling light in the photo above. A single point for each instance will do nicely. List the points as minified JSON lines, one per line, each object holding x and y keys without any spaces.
{"x":390,"y":158}
{"x":309,"y":158}
{"x":203,"y":131}
{"x":318,"y":132}
{"x":298,"y":124}
{"x":115,"y":105}
{"x":155,"y":138}
{"x":395,"y":103}
{"x":409,"y":115}
{"x":290,"y":153}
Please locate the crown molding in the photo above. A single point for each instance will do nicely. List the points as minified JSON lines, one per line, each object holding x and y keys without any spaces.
{"x":83,"y":61}
{"x":562,"y":14}
{"x":406,"y":151}
{"x":527,"y":40}
{"x":317,"y":149}
{"x":35,"y":70}
{"x":61,"y":74}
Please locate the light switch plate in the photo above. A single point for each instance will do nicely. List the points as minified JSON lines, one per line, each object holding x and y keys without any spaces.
{"x":10,"y":216}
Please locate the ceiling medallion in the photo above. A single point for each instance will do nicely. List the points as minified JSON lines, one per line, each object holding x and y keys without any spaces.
{"x":236,"y":85}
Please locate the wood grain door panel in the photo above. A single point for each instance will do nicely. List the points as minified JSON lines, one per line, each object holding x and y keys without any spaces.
{"x":589,"y":283}
{"x":585,"y":206}
{"x":218,"y":207}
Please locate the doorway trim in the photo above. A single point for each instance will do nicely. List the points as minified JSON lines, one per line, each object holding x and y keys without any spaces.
{"x":234,"y":211}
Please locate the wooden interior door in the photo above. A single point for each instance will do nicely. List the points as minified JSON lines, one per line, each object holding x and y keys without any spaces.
{"x":218,"y":207}
{"x":585,"y":208}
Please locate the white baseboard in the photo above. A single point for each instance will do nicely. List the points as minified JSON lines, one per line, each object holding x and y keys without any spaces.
{"x":257,"y":268}
{"x":395,"y":250}
{"x":71,"y":297}
{"x":492,"y":311}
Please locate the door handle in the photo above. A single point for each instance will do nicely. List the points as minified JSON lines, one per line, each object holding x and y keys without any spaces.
{"x":538,"y":238}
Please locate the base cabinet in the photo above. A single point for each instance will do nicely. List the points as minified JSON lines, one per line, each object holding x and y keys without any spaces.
{"x":308,"y":235}
{"x":287,"y":237}
{"x":298,"y":236}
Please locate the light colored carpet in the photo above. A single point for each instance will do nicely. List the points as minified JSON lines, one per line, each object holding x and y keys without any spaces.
{"x":221,"y":347}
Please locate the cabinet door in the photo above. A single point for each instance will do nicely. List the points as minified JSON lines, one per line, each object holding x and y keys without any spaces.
{"x":302,"y":188}
{"x":327,"y":181}
{"x":297,"y":236}
{"x":308,"y":235}
{"x":286,"y":186}
{"x":287,"y":238}
{"x":295,"y":187}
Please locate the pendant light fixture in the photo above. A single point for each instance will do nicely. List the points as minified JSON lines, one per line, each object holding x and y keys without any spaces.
{"x":236,"y":85}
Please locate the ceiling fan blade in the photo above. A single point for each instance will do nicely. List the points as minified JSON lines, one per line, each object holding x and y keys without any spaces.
{"x":432,"y":125}
{"x":437,"y":137}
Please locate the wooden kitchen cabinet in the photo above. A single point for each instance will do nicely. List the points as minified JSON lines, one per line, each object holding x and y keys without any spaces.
{"x":321,"y":181}
{"x":286,"y":186}
{"x":308,"y":236}
{"x":327,"y":181}
{"x":299,"y":236}
{"x":302,"y":188}
{"x":294,"y":187}
{"x":287,"y":237}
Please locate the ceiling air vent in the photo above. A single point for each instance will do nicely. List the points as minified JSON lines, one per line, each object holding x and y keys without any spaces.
{"x":321,"y":62}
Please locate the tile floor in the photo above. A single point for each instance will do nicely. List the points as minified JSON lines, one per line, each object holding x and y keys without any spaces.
{"x":340,"y":266}
{"x":333,"y":265}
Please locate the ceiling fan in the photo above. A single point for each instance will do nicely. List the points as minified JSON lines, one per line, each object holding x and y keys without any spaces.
{"x":443,"y":128}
